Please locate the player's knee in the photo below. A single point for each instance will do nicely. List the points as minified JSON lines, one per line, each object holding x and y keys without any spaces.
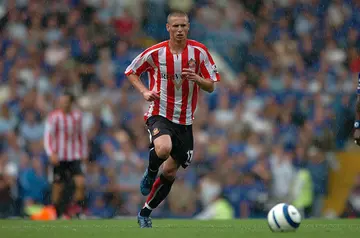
{"x":163,"y":146}
{"x":163,"y":150}
{"x":79,"y":181}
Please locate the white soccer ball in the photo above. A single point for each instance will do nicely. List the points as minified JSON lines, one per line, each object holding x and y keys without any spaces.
{"x":284,"y":217}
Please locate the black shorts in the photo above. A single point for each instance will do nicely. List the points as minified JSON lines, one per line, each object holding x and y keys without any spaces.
{"x":66,"y":170}
{"x":181,"y":136}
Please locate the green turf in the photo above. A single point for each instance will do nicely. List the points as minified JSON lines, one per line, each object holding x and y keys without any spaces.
{"x":173,"y":229}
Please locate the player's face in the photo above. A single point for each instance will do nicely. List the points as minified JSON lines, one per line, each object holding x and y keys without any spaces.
{"x":178,"y":27}
{"x":65,"y":103}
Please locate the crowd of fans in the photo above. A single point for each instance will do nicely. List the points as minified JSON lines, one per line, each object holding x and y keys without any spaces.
{"x":294,"y":62}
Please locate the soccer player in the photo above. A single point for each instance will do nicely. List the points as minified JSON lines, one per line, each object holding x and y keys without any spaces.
{"x":177,"y":69}
{"x":66,"y":145}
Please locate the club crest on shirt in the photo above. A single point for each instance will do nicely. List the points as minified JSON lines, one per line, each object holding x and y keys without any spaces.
{"x":192,"y":64}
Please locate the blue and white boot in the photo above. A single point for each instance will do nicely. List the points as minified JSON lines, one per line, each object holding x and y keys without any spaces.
{"x":144,"y":222}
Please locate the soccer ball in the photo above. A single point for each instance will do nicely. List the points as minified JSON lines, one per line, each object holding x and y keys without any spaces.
{"x":283,"y":217}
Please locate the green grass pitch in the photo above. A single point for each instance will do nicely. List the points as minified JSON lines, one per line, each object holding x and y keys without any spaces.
{"x":173,"y":229}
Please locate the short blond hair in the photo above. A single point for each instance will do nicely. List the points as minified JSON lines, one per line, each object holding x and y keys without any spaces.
{"x":177,"y":13}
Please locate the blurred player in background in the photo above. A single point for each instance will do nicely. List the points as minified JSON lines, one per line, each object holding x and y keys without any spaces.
{"x":66,"y":143}
{"x":177,"y":69}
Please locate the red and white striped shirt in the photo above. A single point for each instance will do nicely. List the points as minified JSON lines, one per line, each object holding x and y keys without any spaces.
{"x":178,"y":97}
{"x":65,"y":135}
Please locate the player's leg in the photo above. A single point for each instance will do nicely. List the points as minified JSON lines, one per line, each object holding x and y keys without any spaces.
{"x":79,"y":181}
{"x":161,"y":187}
{"x":57,"y":189}
{"x":158,"y":154}
{"x":160,"y":149}
{"x":181,"y":155}
{"x":79,"y":194}
{"x":159,"y":191}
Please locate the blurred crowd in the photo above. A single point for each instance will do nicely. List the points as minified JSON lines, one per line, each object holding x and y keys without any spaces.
{"x":288,"y":110}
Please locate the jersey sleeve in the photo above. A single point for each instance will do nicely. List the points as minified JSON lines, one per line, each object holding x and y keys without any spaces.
{"x":139,"y":65}
{"x":208,"y":67}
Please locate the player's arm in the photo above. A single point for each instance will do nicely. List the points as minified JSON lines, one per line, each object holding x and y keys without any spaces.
{"x":50,"y":139}
{"x":208,"y":73}
{"x":357,"y":115}
{"x":147,"y":94}
{"x":138,"y":66}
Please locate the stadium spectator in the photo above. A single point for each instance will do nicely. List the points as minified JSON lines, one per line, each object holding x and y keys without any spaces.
{"x":283,"y":173}
{"x":34,"y":184}
{"x":8,"y":177}
{"x":182,"y":199}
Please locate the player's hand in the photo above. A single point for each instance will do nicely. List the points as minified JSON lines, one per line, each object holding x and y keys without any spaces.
{"x":190,"y":75}
{"x":54,"y":160}
{"x":357,"y":137}
{"x":151,"y":95}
